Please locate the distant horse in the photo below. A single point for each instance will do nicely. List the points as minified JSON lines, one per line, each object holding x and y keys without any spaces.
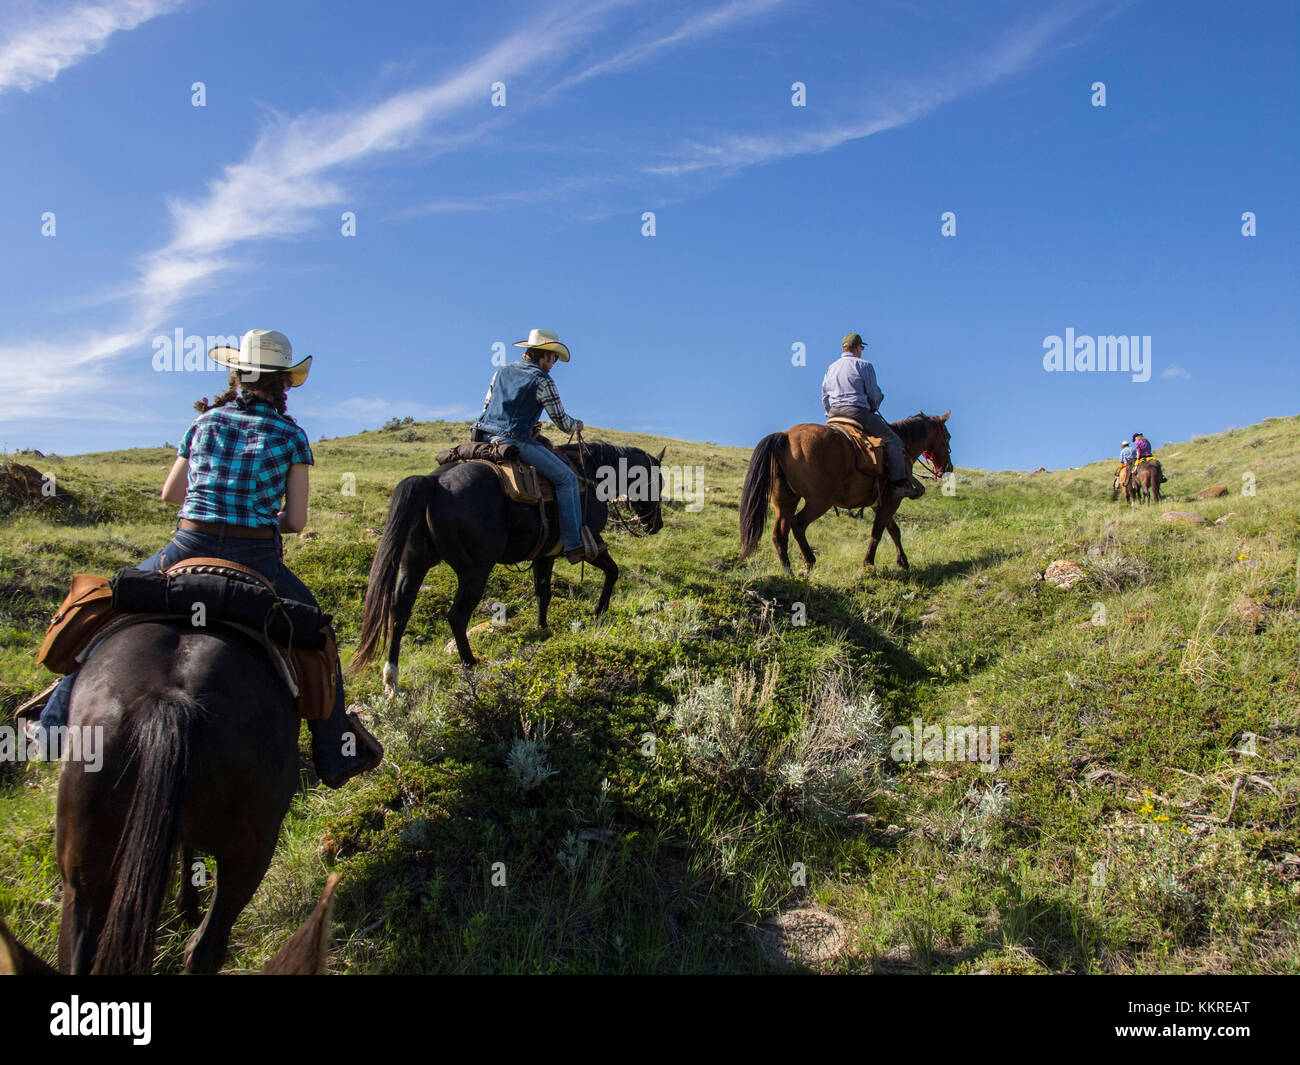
{"x":1147,"y":478}
{"x":818,"y":464}
{"x":1123,"y":481}
{"x":199,"y":751}
{"x":459,"y":515}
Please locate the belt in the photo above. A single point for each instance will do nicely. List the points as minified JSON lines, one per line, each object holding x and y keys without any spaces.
{"x":234,"y":532}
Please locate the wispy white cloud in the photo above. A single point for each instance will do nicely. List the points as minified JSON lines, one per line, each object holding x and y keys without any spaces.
{"x":693,"y":29}
{"x":906,"y":103}
{"x":497,"y":201}
{"x":898,"y":106}
{"x":37,"y":52}
{"x":1174,"y":372}
{"x":293,"y":170}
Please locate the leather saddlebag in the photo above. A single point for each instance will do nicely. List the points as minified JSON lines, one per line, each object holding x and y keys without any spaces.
{"x":87,"y":608}
{"x":318,"y":677}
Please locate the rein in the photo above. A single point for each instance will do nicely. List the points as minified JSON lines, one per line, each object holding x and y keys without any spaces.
{"x":620,"y":514}
{"x":622,"y":517}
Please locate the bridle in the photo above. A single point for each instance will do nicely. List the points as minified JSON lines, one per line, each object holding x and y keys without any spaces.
{"x":621,"y":514}
{"x":928,"y":464}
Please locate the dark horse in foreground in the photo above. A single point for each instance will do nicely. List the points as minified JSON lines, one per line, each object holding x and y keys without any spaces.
{"x":199,"y":751}
{"x":818,"y":464}
{"x":459,"y":515}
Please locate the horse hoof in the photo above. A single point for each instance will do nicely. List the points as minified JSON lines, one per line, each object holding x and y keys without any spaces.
{"x":390,"y":680}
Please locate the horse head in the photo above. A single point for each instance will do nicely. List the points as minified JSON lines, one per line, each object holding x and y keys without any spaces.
{"x":649,"y":512}
{"x":938,"y":442}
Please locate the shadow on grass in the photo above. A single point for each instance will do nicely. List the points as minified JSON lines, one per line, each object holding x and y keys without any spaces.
{"x":935,"y":574}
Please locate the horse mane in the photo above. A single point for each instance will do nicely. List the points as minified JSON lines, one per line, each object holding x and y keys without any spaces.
{"x":913,"y":427}
{"x":602,"y":452}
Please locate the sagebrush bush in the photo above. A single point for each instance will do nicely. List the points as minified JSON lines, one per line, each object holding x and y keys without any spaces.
{"x":1117,"y":572}
{"x":826,"y":769}
{"x":527,"y":763}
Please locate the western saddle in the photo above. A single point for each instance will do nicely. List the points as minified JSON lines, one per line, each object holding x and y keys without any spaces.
{"x":521,"y":483}
{"x":297,"y":637}
{"x":869,"y":450}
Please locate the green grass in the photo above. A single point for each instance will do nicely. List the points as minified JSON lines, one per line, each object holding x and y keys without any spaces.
{"x":1101,"y":844}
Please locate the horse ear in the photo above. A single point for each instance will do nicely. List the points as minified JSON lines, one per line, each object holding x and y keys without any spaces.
{"x":660,"y":457}
{"x":944,"y":416}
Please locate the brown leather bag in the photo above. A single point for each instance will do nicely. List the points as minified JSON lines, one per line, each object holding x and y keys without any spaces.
{"x":87,"y":608}
{"x":318,"y":678}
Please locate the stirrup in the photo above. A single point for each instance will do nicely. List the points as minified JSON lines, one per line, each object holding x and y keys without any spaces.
{"x":33,"y":707}
{"x":370,"y":752}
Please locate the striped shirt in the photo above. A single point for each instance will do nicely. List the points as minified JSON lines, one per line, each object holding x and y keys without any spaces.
{"x":239,"y":455}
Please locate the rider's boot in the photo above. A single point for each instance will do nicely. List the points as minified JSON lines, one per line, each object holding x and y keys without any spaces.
{"x":908,"y":488}
{"x":589,"y":550}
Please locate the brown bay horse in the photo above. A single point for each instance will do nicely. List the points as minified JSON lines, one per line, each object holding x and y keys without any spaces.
{"x":818,"y":464}
{"x":199,"y":751}
{"x":1147,"y":478}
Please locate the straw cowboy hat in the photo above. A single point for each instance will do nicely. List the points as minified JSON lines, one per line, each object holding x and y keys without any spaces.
{"x":263,"y":351}
{"x":547,"y":341}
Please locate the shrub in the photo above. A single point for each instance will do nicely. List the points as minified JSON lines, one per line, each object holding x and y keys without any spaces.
{"x":826,"y":768}
{"x":1117,"y":572}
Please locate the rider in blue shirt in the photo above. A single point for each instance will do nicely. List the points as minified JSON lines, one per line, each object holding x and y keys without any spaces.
{"x":515,"y":399}
{"x":243,"y":456}
{"x":849,"y":390}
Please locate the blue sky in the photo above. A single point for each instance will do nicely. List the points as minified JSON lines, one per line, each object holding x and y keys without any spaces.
{"x":775,"y":225}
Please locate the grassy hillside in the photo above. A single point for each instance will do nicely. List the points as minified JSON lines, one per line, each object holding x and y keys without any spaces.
{"x":719,"y":746}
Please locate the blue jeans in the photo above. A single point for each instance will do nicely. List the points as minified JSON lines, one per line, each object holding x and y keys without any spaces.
{"x":568,"y":498}
{"x":327,"y":735}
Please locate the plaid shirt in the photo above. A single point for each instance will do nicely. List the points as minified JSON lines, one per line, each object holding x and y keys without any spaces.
{"x":240,"y":454}
{"x":549,"y":397}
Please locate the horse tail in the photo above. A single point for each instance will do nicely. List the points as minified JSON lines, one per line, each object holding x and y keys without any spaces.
{"x":411,"y":498}
{"x":753,"y":496}
{"x":158,"y":743}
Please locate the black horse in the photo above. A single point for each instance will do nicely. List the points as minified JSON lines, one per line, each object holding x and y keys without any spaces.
{"x":459,"y":515}
{"x":199,"y":744}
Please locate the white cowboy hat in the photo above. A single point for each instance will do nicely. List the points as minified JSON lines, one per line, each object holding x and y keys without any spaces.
{"x":547,"y":341}
{"x":263,"y":351}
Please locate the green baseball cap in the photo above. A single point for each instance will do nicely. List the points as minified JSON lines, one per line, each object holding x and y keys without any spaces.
{"x":851,"y":340}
